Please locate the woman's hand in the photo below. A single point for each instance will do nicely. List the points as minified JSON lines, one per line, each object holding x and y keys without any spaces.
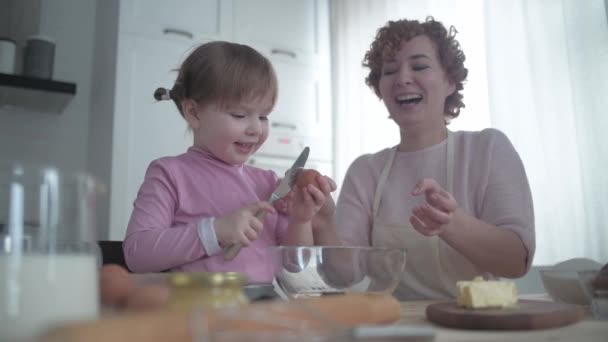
{"x":305,"y":203}
{"x":241,"y":225}
{"x":325,"y":216}
{"x":432,"y":217}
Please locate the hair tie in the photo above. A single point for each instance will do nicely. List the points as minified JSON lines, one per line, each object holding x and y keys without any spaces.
{"x":166,"y":95}
{"x":162,"y":94}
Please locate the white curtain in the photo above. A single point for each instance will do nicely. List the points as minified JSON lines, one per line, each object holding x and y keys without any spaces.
{"x":538,"y":70}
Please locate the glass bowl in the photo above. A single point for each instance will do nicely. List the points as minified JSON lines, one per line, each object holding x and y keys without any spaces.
{"x":322,"y":270}
{"x":562,"y":282}
{"x":564,"y":286}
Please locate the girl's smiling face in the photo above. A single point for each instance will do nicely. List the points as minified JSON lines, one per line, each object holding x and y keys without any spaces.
{"x":414,"y":85}
{"x":231,"y":134}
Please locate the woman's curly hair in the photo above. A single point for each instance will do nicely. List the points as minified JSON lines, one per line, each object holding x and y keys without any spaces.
{"x":388,"y":41}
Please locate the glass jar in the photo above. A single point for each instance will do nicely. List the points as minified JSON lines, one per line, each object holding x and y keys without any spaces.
{"x":207,"y":290}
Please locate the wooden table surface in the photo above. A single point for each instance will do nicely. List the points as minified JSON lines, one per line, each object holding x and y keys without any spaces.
{"x":589,"y":329}
{"x":413,"y":313}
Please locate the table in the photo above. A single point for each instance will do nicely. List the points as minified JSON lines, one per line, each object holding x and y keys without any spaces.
{"x":589,"y":329}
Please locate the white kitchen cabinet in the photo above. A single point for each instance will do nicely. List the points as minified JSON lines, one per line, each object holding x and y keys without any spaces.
{"x":294,"y":35}
{"x":188,"y":19}
{"x":144,"y":129}
{"x":288,"y":28}
{"x":302,"y":115}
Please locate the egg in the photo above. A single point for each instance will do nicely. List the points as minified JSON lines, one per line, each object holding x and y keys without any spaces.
{"x":114,"y":285}
{"x":307,"y":176}
{"x":149,"y":297}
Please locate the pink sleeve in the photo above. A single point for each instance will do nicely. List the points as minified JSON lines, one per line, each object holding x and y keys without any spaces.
{"x":507,"y":201}
{"x":153,"y":243}
{"x":354,"y":208}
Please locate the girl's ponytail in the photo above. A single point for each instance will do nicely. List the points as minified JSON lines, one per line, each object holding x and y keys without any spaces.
{"x":162,"y":94}
{"x":176,"y":94}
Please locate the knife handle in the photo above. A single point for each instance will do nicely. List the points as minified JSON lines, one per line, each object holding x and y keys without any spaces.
{"x":233,"y":250}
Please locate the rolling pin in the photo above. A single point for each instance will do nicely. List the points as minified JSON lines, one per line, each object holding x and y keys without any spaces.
{"x":333,"y":312}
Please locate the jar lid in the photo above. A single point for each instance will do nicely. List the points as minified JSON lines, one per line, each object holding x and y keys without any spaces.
{"x":207,"y":279}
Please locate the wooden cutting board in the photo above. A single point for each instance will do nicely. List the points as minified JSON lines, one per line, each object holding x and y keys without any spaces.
{"x":527,"y":315}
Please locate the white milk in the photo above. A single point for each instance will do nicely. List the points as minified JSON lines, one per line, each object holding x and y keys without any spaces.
{"x":39,"y":290}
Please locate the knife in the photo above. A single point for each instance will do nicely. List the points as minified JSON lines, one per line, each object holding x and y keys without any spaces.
{"x":281,"y":190}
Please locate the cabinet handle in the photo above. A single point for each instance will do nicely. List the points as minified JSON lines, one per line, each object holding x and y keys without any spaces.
{"x":178,"y":32}
{"x":284,"y":125}
{"x":283,"y":52}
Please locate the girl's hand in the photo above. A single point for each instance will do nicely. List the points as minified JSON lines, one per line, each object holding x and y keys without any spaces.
{"x":282,"y":204}
{"x":241,"y":225}
{"x":304,"y":203}
{"x":325,"y":184}
{"x":432,"y":217}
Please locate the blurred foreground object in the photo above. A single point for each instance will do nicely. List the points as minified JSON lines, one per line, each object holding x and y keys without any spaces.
{"x":315,"y":315}
{"x":207,"y":290}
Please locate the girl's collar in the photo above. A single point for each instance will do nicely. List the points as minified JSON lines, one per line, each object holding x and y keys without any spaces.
{"x":210,"y":157}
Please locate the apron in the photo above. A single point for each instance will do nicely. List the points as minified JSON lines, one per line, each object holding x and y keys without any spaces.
{"x":429,"y":270}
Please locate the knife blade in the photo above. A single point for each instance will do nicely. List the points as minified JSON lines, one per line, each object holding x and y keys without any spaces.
{"x":281,"y":190}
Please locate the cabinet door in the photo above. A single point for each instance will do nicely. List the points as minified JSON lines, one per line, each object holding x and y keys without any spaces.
{"x":144,"y":129}
{"x":188,"y":19}
{"x":287,"y":27}
{"x":302,"y":114}
{"x":296,"y":109}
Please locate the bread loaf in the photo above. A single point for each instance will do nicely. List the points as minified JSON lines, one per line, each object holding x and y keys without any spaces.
{"x":331,"y":312}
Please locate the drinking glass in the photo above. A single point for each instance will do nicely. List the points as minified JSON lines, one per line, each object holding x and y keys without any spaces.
{"x":48,"y":252}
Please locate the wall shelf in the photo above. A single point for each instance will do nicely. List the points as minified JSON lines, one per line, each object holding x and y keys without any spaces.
{"x":35,"y":94}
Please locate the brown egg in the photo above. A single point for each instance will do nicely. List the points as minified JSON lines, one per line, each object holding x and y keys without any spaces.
{"x":307,"y":176}
{"x":114,"y":285}
{"x":148,"y":297}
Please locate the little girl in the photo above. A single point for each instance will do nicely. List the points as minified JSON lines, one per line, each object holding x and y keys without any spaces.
{"x":192,"y":205}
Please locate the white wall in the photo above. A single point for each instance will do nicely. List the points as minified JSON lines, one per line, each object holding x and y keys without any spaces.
{"x":6,"y":6}
{"x":101,"y":120}
{"x":60,"y":139}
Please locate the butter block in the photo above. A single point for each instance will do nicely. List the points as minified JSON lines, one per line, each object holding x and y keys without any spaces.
{"x":478,"y":294}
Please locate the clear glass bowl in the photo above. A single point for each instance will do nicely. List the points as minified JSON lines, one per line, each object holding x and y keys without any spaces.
{"x":319,"y":270}
{"x":561,"y":281}
{"x":564,"y":286}
{"x":597,"y":298}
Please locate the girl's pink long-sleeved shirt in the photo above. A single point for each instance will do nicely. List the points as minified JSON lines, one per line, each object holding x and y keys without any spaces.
{"x":178,"y":193}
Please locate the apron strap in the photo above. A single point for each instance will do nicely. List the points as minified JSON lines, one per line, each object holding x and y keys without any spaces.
{"x":450,"y":163}
{"x":382,"y":181}
{"x":442,"y":278}
{"x":447,"y":282}
{"x":389,"y":163}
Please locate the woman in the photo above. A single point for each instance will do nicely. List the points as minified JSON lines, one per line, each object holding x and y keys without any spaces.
{"x":459,"y":202}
